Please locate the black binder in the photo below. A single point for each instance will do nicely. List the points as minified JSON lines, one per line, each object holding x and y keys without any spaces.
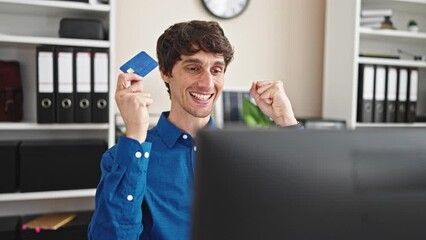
{"x":65,"y":87}
{"x":379,"y":94}
{"x":46,"y":98}
{"x":51,"y":165}
{"x":8,"y":166}
{"x":82,"y":85}
{"x":391,"y":90}
{"x":412,"y":95}
{"x":365,"y":93}
{"x":232,"y":106}
{"x":9,"y":228}
{"x":100,"y":85}
{"x":401,"y":105}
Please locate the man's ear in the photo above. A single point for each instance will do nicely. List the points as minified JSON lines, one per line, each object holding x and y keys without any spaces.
{"x":165,"y":77}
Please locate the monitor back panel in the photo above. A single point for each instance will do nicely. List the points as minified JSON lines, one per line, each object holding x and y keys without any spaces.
{"x":291,"y":185}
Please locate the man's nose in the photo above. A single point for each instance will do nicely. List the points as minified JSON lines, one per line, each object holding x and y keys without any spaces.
{"x":206,"y":80}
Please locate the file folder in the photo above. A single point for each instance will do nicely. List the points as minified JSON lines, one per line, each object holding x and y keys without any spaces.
{"x":379,"y":94}
{"x":83,"y":85}
{"x":65,"y":88}
{"x":51,"y":221}
{"x":365,"y":93}
{"x":401,"y":113}
{"x":391,"y":90}
{"x":76,"y":229}
{"x":412,"y":96}
{"x":100,"y":88}
{"x":46,"y":98}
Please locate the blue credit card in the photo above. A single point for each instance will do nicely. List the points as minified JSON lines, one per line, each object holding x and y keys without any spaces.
{"x":141,"y":64}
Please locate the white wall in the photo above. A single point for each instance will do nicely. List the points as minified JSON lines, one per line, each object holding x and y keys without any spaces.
{"x":273,"y":39}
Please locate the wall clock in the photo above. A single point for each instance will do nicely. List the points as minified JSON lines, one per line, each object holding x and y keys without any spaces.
{"x":225,"y":9}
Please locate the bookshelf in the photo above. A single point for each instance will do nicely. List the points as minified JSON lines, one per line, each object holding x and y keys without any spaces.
{"x":36,"y":22}
{"x":345,"y":40}
{"x":6,"y":197}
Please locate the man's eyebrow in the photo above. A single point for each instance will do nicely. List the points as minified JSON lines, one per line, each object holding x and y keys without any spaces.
{"x":195,"y":60}
{"x":222,"y":63}
{"x":191,"y":60}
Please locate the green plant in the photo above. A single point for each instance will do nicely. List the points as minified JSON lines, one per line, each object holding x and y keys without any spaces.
{"x":412,"y":23}
{"x":253,"y":116}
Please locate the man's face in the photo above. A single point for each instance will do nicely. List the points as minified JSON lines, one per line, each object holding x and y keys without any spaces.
{"x":196,"y":83}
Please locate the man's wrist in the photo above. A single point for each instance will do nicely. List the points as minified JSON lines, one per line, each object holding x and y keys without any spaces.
{"x":141,"y":137}
{"x":286,"y":121}
{"x":298,"y":125}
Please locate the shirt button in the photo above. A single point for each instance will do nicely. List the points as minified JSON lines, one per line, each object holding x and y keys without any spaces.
{"x":129,"y":198}
{"x":195,"y":148}
{"x":146,"y":154}
{"x":138,"y":154}
{"x":185,"y":136}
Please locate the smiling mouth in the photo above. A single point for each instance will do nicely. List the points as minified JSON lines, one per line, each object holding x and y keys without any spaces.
{"x":202,"y":97}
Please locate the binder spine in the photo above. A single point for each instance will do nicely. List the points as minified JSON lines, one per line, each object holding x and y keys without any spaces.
{"x":379,"y":94}
{"x":65,"y":89}
{"x":46,"y":84}
{"x":82,"y":85}
{"x":391,"y":93}
{"x":366,"y":93}
{"x":401,"y":113}
{"x":412,"y":95}
{"x":100,"y":85}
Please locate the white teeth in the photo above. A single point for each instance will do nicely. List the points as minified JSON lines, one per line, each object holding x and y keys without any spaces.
{"x":201,"y":96}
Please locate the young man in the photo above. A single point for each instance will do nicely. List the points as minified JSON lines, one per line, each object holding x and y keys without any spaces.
{"x":145,"y":190}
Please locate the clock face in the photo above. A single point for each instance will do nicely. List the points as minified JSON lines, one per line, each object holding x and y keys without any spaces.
{"x":225,"y":8}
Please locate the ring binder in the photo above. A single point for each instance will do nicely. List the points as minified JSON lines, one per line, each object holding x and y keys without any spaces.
{"x":100,"y":88}
{"x":46,"y":98}
{"x":366,"y":93}
{"x":65,"y":88}
{"x":401,"y":114}
{"x":391,"y":90}
{"x":82,"y":81}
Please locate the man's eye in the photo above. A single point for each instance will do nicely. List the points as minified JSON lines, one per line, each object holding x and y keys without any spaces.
{"x":216,"y":71}
{"x":193,"y":68}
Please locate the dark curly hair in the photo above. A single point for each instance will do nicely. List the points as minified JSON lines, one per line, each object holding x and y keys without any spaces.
{"x":188,"y":38}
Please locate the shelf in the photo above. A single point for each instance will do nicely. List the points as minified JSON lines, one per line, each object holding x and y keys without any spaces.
{"x":393,"y":125}
{"x":79,"y":193}
{"x":393,"y":35}
{"x":392,"y":62}
{"x":397,"y":1}
{"x":14,"y":39}
{"x":50,"y":7}
{"x":345,"y":40}
{"x":11,"y":126}
{"x":411,"y":1}
{"x":26,"y":25}
{"x":417,"y":6}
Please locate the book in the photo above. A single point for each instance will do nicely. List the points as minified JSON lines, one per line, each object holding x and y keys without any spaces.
{"x":379,"y":55}
{"x":367,"y":20}
{"x":372,"y":25}
{"x":376,"y":12}
{"x":49,"y":221}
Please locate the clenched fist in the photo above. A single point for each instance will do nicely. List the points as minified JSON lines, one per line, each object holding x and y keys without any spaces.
{"x":273,"y":101}
{"x":133,"y":104}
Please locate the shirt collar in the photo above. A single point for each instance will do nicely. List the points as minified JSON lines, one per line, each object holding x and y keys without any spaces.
{"x":169,"y":132}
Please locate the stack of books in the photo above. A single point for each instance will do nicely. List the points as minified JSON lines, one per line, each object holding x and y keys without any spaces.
{"x":373,"y":18}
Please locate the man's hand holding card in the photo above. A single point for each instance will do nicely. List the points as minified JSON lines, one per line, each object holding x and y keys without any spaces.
{"x":131,"y":99}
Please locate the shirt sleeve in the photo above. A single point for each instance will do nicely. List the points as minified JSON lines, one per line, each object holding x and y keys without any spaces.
{"x":119,"y":195}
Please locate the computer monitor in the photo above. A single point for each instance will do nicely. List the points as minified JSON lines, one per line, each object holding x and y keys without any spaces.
{"x":324,"y":184}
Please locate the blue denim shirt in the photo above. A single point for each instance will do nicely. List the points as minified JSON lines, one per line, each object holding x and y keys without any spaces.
{"x":145,"y":191}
